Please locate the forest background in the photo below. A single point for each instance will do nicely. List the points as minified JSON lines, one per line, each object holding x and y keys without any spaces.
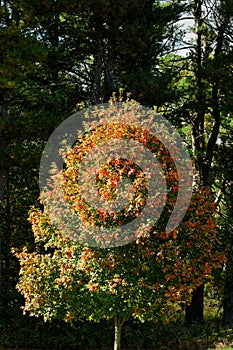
{"x":58,"y":57}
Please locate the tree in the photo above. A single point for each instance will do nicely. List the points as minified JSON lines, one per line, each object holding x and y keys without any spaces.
{"x":204,"y":103}
{"x":143,"y":279}
{"x":223,"y":188}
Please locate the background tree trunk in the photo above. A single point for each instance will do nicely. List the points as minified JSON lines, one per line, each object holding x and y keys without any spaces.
{"x":227,"y":320}
{"x":3,"y":183}
{"x":203,"y":150}
{"x":195,"y":311}
{"x":98,"y":62}
{"x":228,"y":301}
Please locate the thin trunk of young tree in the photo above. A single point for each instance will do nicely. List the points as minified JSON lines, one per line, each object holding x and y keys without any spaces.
{"x":118,"y":323}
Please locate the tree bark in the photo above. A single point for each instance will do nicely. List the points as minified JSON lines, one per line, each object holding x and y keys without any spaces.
{"x":3,"y":183}
{"x":227,"y":320}
{"x":4,"y":165}
{"x":98,"y":62}
{"x":118,"y":322}
{"x":195,"y":311}
{"x":204,"y":151}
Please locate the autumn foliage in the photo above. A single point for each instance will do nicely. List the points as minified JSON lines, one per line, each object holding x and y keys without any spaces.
{"x":142,"y":279}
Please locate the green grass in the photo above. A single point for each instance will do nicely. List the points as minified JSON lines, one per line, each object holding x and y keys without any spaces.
{"x":223,"y":348}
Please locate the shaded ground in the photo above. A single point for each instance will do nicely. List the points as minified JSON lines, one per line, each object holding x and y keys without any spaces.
{"x":88,"y":336}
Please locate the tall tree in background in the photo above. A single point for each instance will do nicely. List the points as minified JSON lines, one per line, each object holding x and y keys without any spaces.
{"x":204,"y":98}
{"x":224,"y":187}
{"x":125,"y":41}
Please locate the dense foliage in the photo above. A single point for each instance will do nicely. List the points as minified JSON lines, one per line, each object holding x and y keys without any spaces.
{"x":142,"y":279}
{"x":61,"y":56}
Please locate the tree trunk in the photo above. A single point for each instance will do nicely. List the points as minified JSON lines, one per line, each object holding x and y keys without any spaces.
{"x":227,"y":320}
{"x":203,"y":151}
{"x":194,"y":311}
{"x":118,"y":322}
{"x":108,"y":74}
{"x":98,"y":62}
{"x":228,"y":307}
{"x":3,"y":183}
